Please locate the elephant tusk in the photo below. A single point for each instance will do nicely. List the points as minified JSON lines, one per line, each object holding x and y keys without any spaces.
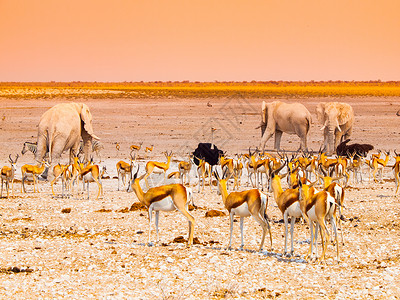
{"x":338,"y":127}
{"x":323,"y":127}
{"x":95,"y":137}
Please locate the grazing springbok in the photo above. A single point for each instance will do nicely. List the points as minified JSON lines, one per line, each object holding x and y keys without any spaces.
{"x":7,"y":175}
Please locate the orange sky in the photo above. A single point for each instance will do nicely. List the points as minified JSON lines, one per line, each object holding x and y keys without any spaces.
{"x":205,"y":40}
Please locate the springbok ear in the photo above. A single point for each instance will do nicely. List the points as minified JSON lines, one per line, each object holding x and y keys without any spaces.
{"x":86,"y":117}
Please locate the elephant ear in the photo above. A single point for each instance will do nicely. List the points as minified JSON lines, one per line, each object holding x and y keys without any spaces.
{"x":345,"y":113}
{"x":321,"y":112}
{"x":264,"y":112}
{"x":86,"y":117}
{"x":264,"y":117}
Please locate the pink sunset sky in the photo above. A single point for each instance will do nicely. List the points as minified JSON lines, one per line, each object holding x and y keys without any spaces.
{"x":204,"y":40}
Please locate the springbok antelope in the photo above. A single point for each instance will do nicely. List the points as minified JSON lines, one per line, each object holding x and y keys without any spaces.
{"x":317,"y":208}
{"x":355,"y":166}
{"x":62,"y":171}
{"x":148,"y":150}
{"x":326,"y":163}
{"x":341,"y":169}
{"x":396,"y":172}
{"x":74,"y":170}
{"x":288,"y":203}
{"x":204,"y":171}
{"x":158,"y":165}
{"x":7,"y":175}
{"x":124,"y":168}
{"x":136,"y":147}
{"x":237,"y":171}
{"x":35,"y":171}
{"x":164,"y":198}
{"x":184,"y":168}
{"x":91,"y":173}
{"x":379,"y":164}
{"x":337,"y":192}
{"x":252,"y":169}
{"x":245,"y":204}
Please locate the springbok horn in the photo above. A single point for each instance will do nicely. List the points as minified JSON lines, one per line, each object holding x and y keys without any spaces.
{"x":137,"y":171}
{"x":277,"y":170}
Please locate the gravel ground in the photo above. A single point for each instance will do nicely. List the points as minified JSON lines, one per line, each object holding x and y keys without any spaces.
{"x":79,"y":248}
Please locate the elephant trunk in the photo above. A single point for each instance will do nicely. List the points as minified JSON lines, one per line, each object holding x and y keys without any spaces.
{"x":87,"y":145}
{"x":331,"y":139}
{"x":263,"y":127}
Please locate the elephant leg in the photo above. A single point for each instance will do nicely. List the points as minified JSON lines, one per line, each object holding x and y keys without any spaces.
{"x":41,"y":147}
{"x":278,"y":136}
{"x":326,"y":138}
{"x":338,"y":137}
{"x":302,"y":134}
{"x":267,"y":135}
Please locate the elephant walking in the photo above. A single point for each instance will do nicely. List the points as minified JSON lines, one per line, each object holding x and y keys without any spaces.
{"x":61,"y":128}
{"x":279,"y":117}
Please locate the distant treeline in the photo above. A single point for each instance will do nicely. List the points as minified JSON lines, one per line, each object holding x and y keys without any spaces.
{"x":189,"y":89}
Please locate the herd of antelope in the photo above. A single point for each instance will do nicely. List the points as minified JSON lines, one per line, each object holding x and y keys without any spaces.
{"x":301,"y":199}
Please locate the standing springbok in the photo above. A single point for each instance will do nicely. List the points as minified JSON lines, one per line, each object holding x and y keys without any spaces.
{"x":164,"y":198}
{"x":62,"y":171}
{"x":158,"y":165}
{"x":7,"y":175}
{"x":184,"y":168}
{"x":124,"y":168}
{"x":35,"y":171}
{"x":91,"y":173}
{"x":288,"y":203}
{"x":317,"y":208}
{"x":245,"y":204}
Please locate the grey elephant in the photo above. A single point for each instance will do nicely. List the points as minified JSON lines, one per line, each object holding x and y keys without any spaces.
{"x":279,"y":117}
{"x":337,"y":119}
{"x":61,"y":128}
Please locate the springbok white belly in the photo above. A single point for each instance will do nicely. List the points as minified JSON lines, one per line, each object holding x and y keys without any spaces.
{"x":165,"y":204}
{"x":311,"y":214}
{"x":242,"y":210}
{"x":294,"y":210}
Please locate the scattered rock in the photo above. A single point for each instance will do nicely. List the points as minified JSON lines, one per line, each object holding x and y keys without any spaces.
{"x":11,"y":270}
{"x":66,"y":210}
{"x":214,"y":213}
{"x":104,"y":210}
{"x":138,"y":206}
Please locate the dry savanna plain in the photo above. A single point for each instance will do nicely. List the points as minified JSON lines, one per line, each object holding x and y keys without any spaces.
{"x":53,"y":247}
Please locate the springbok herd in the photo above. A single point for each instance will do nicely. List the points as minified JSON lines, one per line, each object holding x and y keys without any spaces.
{"x":315,"y":187}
